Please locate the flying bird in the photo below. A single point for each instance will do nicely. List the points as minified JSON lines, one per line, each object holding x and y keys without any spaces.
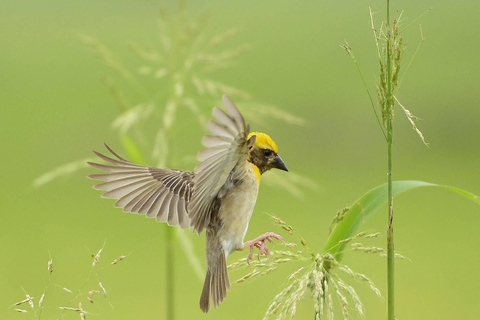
{"x":218,"y":197}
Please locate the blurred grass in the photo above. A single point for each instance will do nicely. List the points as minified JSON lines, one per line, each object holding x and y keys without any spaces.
{"x":57,"y":110}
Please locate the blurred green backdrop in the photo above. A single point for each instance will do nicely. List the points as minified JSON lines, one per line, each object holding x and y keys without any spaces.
{"x":56,"y":110}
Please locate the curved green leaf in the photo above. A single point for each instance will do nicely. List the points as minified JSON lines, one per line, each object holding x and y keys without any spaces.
{"x":368,"y":204}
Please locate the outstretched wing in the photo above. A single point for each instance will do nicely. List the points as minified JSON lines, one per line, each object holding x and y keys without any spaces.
{"x":225,"y":148}
{"x":158,"y":193}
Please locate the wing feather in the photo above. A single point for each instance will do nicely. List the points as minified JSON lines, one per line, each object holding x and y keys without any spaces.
{"x":145,"y":190}
{"x":107,"y":168}
{"x":120,"y":182}
{"x":226,"y":147}
{"x":164,"y":206}
{"x":223,"y":118}
{"x":154,"y":211}
{"x":115,"y":176}
{"x":113,"y":161}
{"x":234,"y":113}
{"x":133,"y":198}
{"x":210,"y":153}
{"x":219,"y":130}
{"x":172,"y":211}
{"x":213,"y":141}
{"x":145,"y":208}
{"x":124,"y":200}
{"x":126,"y":189}
{"x":146,"y":195}
{"x":142,"y":198}
{"x":182,"y":206}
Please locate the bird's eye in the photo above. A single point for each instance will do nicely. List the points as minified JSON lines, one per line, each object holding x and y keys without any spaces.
{"x":267,"y":152}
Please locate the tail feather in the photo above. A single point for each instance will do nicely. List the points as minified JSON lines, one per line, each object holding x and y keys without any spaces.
{"x":205,"y":297}
{"x":216,"y":284}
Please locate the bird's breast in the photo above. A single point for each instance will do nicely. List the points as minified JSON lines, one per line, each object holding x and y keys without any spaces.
{"x":236,"y":210}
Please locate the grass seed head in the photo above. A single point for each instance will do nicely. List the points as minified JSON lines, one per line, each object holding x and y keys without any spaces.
{"x":40,"y":302}
{"x":117,"y":260}
{"x":50,"y":266}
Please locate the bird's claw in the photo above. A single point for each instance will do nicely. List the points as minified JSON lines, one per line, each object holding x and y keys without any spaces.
{"x":261,"y":243}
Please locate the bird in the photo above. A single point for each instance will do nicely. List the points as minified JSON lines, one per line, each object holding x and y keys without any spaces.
{"x":218,"y":197}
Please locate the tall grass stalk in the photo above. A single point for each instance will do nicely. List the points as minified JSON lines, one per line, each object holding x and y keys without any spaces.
{"x":170,"y":271}
{"x":390,"y":48}
{"x":389,"y":123}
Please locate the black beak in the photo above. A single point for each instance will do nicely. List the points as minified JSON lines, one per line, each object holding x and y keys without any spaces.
{"x":278,"y":163}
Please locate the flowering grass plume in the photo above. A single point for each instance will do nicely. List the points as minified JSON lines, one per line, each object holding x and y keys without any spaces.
{"x":320,"y":277}
{"x":177,"y":72}
{"x":91,"y":291}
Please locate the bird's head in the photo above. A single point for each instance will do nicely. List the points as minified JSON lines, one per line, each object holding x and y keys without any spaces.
{"x":263,"y":152}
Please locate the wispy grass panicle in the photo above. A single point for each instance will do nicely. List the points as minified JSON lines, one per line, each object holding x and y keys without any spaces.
{"x":391,"y":47}
{"x":178,"y":72}
{"x":65,"y":300}
{"x":324,"y":286}
{"x":62,"y":171}
{"x":319,"y":277}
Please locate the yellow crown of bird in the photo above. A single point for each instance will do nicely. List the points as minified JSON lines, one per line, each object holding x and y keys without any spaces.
{"x":264,"y":141}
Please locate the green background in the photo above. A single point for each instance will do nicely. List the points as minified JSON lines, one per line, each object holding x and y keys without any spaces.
{"x":55,"y":110}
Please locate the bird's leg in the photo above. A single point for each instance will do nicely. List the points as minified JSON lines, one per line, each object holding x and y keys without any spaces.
{"x":261,"y":243}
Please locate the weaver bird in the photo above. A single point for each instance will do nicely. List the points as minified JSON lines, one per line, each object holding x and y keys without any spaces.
{"x":218,"y":196}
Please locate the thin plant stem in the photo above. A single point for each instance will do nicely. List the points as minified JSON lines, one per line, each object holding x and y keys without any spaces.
{"x":389,"y":123}
{"x":170,"y":266}
{"x":390,"y":241}
{"x":168,"y":116}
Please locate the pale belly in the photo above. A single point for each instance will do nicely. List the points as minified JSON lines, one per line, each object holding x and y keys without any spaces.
{"x":235,"y":213}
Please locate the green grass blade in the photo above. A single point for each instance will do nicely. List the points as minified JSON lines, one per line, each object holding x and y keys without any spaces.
{"x":132,"y":149}
{"x":464,"y":193}
{"x":368,"y":204}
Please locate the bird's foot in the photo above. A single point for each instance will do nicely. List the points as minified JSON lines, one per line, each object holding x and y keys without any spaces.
{"x":261,"y":243}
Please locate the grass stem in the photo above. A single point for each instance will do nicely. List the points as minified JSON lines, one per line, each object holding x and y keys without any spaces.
{"x":170,"y":271}
{"x":389,"y":123}
{"x":390,"y":241}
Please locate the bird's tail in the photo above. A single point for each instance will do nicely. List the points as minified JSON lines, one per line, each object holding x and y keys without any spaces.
{"x":216,"y":283}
